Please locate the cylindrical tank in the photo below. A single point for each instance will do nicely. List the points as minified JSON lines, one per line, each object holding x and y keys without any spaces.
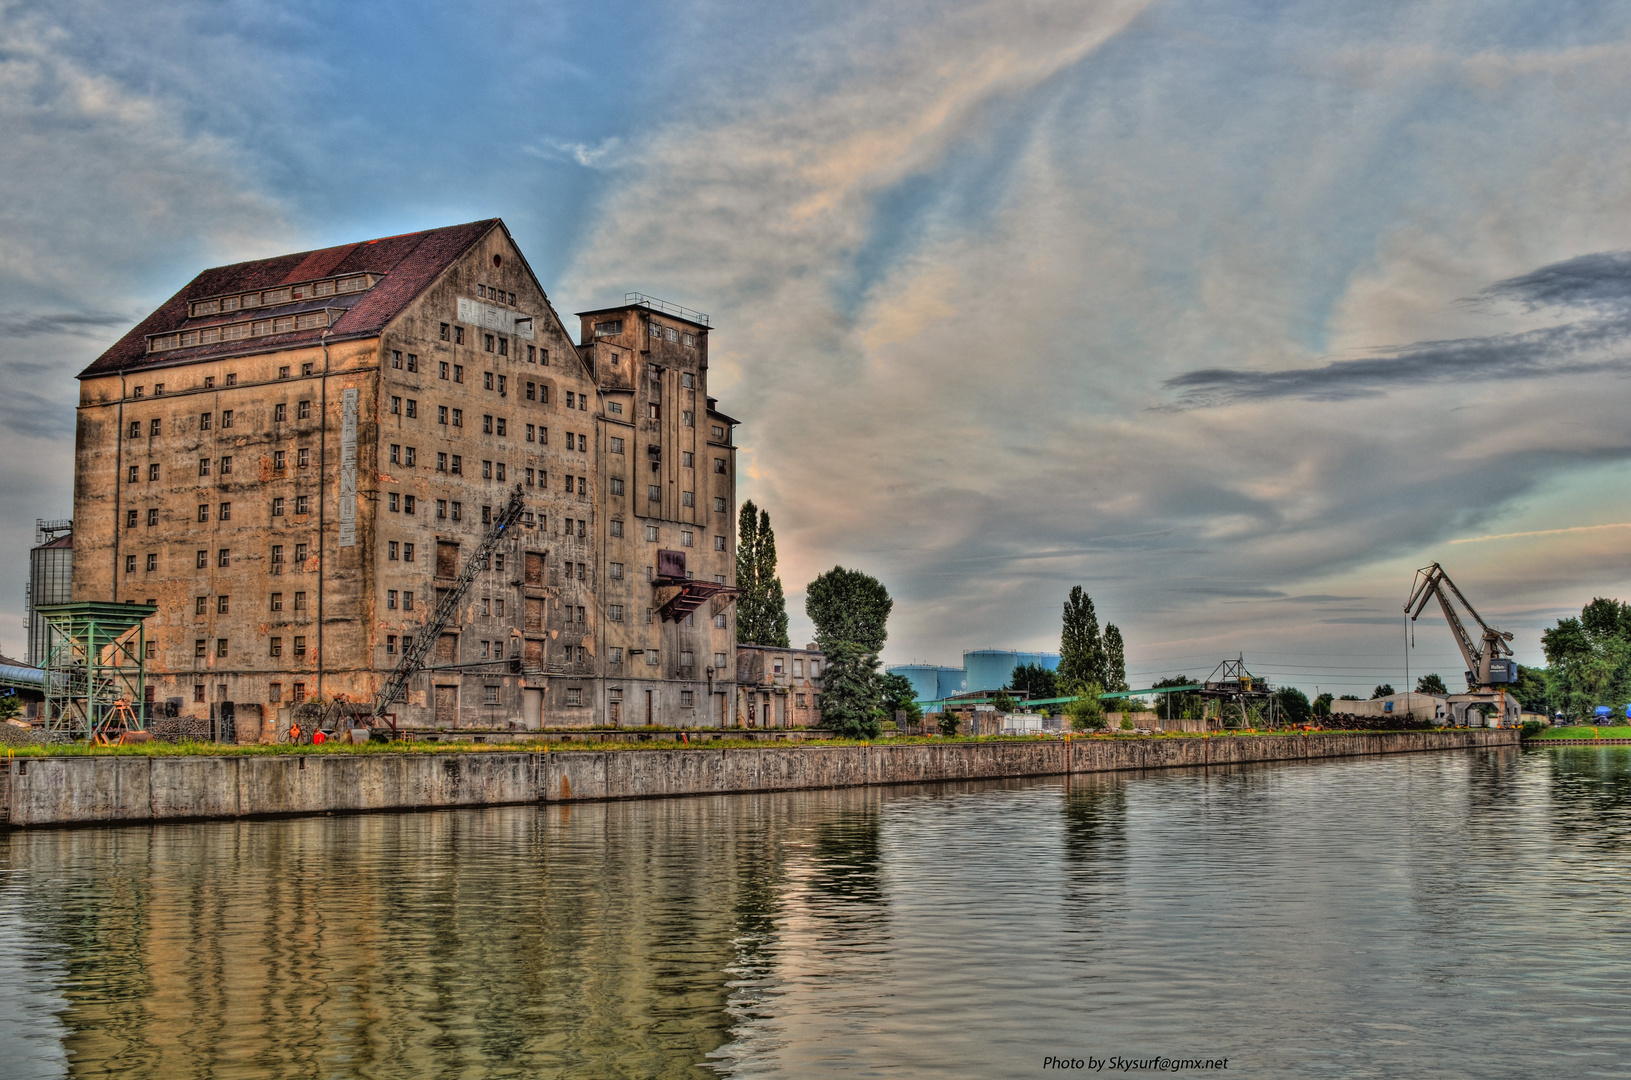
{"x":925,"y":679}
{"x":993,"y":669}
{"x":988,"y":669}
{"x":949,"y":681}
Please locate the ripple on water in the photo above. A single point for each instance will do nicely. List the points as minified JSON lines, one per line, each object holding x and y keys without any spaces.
{"x":1423,"y":915}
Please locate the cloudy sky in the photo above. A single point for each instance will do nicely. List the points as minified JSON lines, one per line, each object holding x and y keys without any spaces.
{"x":1234,"y":314}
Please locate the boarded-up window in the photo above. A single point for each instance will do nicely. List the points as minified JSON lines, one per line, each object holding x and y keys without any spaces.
{"x":447,"y":649}
{"x":535,"y":615}
{"x":535,"y":655}
{"x":447,"y":559}
{"x":535,"y":568}
{"x":447,"y":704}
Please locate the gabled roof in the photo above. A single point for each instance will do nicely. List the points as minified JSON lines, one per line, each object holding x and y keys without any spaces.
{"x":406,"y":264}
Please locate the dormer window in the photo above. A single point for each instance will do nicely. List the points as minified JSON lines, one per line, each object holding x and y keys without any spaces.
{"x":287,"y":294}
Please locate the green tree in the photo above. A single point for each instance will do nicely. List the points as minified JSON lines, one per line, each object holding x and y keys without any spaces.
{"x":1034,"y":680}
{"x":849,"y":691}
{"x":1115,"y":660}
{"x":895,"y":695}
{"x":1385,"y":690}
{"x":1431,"y":684}
{"x":1181,"y":705}
{"x":1003,"y":702}
{"x":761,"y":608}
{"x":849,"y":606}
{"x":1322,"y":705}
{"x":1293,"y":705}
{"x":1531,"y":689}
{"x":1087,"y":711}
{"x":10,"y":705}
{"x":1081,"y":650}
{"x":1588,"y":660}
{"x":948,"y":721}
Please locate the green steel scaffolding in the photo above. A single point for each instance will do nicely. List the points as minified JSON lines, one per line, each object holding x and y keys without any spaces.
{"x":95,"y":672}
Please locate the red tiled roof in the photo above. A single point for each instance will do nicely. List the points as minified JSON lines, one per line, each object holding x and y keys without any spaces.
{"x":409,"y":263}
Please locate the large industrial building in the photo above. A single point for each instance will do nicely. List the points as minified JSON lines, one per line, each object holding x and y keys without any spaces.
{"x":293,"y":458}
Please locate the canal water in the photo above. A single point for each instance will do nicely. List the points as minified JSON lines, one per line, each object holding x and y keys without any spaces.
{"x":1428,"y":915}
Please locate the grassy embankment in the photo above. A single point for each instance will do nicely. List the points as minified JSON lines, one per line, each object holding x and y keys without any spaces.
{"x":1583,"y":731}
{"x":698,"y":742}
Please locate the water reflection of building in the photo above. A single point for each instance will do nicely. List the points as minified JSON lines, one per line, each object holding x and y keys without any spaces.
{"x":586,"y":941}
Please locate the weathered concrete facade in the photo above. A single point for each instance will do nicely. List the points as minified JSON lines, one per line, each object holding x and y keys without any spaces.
{"x":293,"y":459}
{"x":97,"y":790}
{"x":778,"y":688}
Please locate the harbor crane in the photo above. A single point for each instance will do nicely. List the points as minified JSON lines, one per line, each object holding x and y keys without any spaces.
{"x":413,"y":657}
{"x":1489,"y":660}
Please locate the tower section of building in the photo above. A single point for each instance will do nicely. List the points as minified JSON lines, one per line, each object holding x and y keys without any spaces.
{"x":670,"y":531}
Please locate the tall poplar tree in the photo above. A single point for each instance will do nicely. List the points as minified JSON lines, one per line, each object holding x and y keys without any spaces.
{"x":761,"y":608}
{"x":1115,"y":660}
{"x":1081,"y":652}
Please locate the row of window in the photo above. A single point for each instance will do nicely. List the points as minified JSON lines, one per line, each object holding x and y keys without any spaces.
{"x":497,"y":344}
{"x":242,"y":331}
{"x":284,"y":294}
{"x":275,"y":646}
{"x":209,"y":382}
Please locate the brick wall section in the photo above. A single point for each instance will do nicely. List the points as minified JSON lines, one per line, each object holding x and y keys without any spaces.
{"x":104,"y":790}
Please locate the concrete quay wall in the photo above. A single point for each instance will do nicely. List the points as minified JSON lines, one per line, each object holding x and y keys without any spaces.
{"x":57,"y":791}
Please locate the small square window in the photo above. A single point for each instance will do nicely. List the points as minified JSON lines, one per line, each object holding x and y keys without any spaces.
{"x":277,"y":601}
{"x":226,"y":415}
{"x":152,"y":515}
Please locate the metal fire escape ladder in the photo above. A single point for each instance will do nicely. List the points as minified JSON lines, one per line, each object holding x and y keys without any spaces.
{"x":413,"y":658}
{"x":1433,"y":581}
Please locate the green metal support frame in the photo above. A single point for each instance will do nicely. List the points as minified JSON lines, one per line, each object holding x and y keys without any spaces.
{"x":97,"y":661}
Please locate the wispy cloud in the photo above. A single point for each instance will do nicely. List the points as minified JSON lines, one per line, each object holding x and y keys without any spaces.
{"x":20,"y":324}
{"x":606,"y":154}
{"x":1597,"y":344}
{"x":1541,"y":532}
